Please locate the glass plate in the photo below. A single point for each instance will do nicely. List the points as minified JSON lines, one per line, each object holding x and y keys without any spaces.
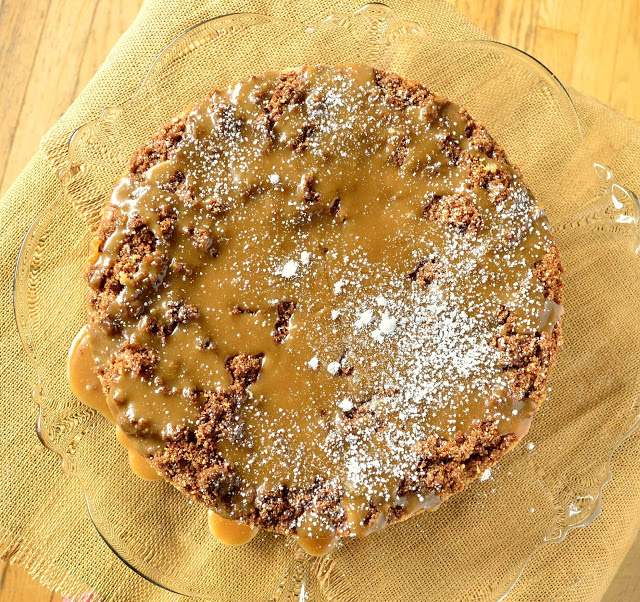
{"x":547,"y":486}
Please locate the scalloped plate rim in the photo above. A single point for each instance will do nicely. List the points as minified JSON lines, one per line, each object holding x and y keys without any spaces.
{"x":597,"y":496}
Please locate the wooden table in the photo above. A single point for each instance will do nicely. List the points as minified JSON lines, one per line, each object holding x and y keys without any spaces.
{"x":49,"y":49}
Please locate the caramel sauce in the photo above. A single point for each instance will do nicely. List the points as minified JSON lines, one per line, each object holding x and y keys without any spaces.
{"x":83,"y":377}
{"x":230,"y":532}
{"x":327,"y":218}
{"x":140,"y":466}
{"x":316,"y":546}
{"x":85,"y":384}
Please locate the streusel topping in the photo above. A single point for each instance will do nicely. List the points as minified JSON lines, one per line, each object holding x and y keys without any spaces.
{"x":323,"y":299}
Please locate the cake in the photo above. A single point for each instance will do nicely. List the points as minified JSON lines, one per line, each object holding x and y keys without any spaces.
{"x":322,"y":301}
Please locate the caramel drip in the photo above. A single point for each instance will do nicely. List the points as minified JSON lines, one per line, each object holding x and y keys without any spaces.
{"x":230,"y":532}
{"x":316,"y":546}
{"x":140,"y":466}
{"x":83,"y":377}
{"x":85,"y":384}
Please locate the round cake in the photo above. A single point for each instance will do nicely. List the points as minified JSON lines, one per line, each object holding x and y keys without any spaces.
{"x":322,"y":301}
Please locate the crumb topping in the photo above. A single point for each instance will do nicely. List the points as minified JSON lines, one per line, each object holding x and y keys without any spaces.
{"x":323,"y":300}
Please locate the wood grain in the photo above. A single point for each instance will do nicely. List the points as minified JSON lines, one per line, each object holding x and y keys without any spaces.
{"x":49,"y":49}
{"x":20,"y":34}
{"x":17,"y":586}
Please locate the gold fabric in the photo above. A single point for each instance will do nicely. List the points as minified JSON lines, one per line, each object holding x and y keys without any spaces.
{"x":43,"y":522}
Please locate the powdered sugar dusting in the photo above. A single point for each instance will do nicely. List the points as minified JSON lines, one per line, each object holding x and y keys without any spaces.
{"x":289,"y":269}
{"x":376,"y":321}
{"x":333,"y":368}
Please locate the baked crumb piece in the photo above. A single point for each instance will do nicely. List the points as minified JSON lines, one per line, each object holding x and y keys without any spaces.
{"x":167,"y":217}
{"x":495,"y":179}
{"x":241,"y":309}
{"x":216,"y":419}
{"x":456,"y":210}
{"x":527,"y":357}
{"x":451,"y":148}
{"x":137,"y":250}
{"x":498,"y":186}
{"x":132,"y":359}
{"x":204,"y":240}
{"x":289,"y":89}
{"x":401,"y":93}
{"x":190,"y":462}
{"x":336,"y":210}
{"x":159,"y":148}
{"x":285,"y":311}
{"x":549,"y":271}
{"x":309,"y":194}
{"x":400,"y":152}
{"x":395,"y":514}
{"x":176,"y":313}
{"x":215,"y":206}
{"x":244,"y":369}
{"x":185,"y":194}
{"x":179,"y":312}
{"x":301,"y":141}
{"x":427,"y":272}
{"x":447,"y":465}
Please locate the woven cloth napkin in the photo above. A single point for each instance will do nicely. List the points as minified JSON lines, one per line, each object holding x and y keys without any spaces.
{"x":43,"y":522}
